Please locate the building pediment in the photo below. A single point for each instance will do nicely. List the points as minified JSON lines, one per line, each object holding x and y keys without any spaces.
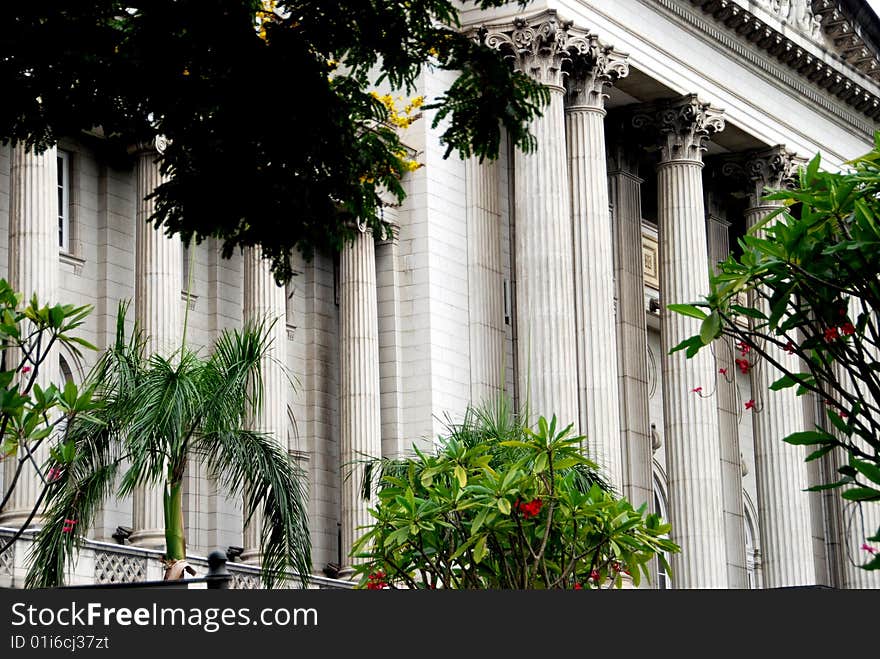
{"x":829,"y":42}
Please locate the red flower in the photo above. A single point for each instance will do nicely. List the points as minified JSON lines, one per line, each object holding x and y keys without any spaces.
{"x":831,"y":334}
{"x":696,"y":390}
{"x":743,"y":365}
{"x":68,"y":525}
{"x":577,"y":586}
{"x":594,"y":575}
{"x":26,"y":369}
{"x":743,"y":347}
{"x":376,"y":581}
{"x":615,"y":566}
{"x":868,"y":548}
{"x":789,"y":348}
{"x":723,"y":371}
{"x":530,"y":509}
{"x":750,"y":404}
{"x":847,"y":328}
{"x":53,"y":474}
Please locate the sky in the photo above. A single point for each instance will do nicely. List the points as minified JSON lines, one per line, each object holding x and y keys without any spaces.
{"x":875,"y":5}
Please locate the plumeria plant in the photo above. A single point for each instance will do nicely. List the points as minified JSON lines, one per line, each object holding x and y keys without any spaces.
{"x":500,"y":505}
{"x":811,"y":271}
{"x":34,"y":417}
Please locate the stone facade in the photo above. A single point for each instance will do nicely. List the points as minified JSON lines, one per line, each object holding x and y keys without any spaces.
{"x":542,"y":277}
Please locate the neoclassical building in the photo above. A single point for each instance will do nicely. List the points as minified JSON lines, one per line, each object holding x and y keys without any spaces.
{"x":543,"y":277}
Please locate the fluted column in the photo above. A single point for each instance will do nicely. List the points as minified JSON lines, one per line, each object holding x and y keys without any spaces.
{"x":546,"y":352}
{"x":632,"y":330}
{"x":595,"y":324}
{"x":158,"y":312}
{"x":690,"y":420}
{"x":485,"y":281}
{"x":264,"y":302}
{"x":783,"y":506}
{"x":728,"y":428}
{"x":359,"y":400}
{"x":33,"y":270}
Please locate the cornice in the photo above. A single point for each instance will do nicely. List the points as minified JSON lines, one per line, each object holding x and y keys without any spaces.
{"x":856,"y":87}
{"x":847,"y":38}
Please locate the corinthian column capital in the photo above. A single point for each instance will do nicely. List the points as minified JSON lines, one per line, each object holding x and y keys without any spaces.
{"x":682,"y":126}
{"x":772,"y":168}
{"x":539,"y":45}
{"x":592,"y":71}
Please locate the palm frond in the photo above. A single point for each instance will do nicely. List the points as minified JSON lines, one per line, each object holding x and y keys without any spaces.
{"x":76,"y":495}
{"x":252,"y":466}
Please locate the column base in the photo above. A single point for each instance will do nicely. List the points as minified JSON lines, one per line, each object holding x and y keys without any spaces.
{"x":251,"y":557}
{"x":14,"y":519}
{"x":148,"y":538}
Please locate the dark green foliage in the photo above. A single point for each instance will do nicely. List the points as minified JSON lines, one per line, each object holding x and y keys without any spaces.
{"x":275,"y":139}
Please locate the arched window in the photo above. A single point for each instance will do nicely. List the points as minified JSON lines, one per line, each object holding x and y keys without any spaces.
{"x":753,"y":551}
{"x":663,"y":581}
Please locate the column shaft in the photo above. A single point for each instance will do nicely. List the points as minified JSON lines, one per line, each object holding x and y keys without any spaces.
{"x":632,"y":337}
{"x":594,"y":289}
{"x":546,"y":353}
{"x":728,"y":429}
{"x":159,"y":313}
{"x":485,"y":281}
{"x":783,"y":506}
{"x":690,"y":421}
{"x":264,"y":302}
{"x":359,"y":396}
{"x":33,"y":270}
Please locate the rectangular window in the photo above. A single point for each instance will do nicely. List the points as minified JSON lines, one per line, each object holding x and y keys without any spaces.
{"x":64,"y":201}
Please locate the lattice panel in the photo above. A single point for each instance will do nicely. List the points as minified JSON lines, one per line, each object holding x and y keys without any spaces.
{"x":7,"y":559}
{"x":245,"y":581}
{"x":119,"y":568}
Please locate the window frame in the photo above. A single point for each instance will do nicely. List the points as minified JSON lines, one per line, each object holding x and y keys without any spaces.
{"x":63,"y":185}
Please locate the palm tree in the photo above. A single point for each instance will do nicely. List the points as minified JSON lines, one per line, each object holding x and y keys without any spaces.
{"x":155,"y":415}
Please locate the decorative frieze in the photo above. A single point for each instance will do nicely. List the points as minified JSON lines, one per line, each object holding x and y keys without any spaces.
{"x":810,"y":19}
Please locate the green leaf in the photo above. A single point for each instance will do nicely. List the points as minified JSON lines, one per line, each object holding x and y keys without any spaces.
{"x":748,"y":311}
{"x":828,"y":486}
{"x":693,"y":345}
{"x":688,"y":310}
{"x":861,"y":494}
{"x":480,"y":549}
{"x":867,"y":469}
{"x":710,"y":328}
{"x":786,"y":381}
{"x":809,"y":437}
{"x":461,"y":475}
{"x":818,"y":453}
{"x":503,"y":506}
{"x":540,"y":463}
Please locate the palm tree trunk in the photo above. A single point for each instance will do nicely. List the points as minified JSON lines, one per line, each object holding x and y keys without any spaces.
{"x":175,"y":540}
